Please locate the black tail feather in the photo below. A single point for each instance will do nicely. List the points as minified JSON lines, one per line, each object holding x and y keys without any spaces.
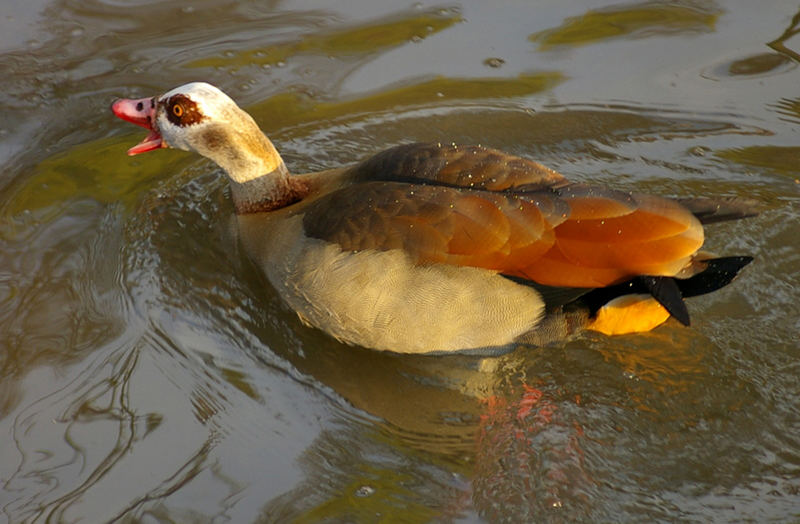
{"x":669,"y":291}
{"x":666,"y":291}
{"x":718,"y":273}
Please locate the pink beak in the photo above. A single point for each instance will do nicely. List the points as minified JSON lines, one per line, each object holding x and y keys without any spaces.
{"x":141,"y":112}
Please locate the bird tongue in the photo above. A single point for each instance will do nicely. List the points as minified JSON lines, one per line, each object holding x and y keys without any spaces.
{"x":150,"y":142}
{"x":142,"y":113}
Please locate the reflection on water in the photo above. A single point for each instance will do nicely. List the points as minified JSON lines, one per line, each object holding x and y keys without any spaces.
{"x":149,"y":373}
{"x":362,"y":40}
{"x":782,"y":45}
{"x":638,"y":19}
{"x":759,"y":64}
{"x":780,"y":159}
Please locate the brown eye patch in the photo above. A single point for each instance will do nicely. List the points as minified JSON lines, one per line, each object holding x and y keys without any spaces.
{"x":182,"y":110}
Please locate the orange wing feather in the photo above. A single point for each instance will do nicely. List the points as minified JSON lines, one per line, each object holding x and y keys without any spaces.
{"x":506,"y":214}
{"x":606,"y":240}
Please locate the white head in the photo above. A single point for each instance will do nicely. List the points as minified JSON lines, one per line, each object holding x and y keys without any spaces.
{"x":185,"y":113}
{"x":199,"y":117}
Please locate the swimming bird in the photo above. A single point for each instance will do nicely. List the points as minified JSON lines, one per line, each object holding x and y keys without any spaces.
{"x":438,"y":248}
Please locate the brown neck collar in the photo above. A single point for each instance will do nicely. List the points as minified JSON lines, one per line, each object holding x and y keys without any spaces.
{"x":290,"y":192}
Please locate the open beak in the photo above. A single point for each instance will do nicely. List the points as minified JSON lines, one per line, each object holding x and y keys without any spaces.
{"x":141,"y":112}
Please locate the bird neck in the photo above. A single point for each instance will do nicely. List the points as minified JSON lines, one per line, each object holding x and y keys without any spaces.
{"x":258,"y":177}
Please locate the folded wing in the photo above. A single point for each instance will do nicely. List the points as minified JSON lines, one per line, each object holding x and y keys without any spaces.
{"x":483,"y":208}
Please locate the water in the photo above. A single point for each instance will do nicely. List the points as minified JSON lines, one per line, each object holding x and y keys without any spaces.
{"x":150,"y":374}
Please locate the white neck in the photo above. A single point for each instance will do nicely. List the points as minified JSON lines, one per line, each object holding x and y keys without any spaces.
{"x":259,"y":179}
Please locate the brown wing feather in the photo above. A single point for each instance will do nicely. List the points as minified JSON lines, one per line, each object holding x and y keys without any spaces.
{"x":433,"y":223}
{"x":576,"y":236}
{"x":472,"y":167}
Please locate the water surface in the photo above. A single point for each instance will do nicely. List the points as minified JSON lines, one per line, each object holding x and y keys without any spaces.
{"x":149,"y":373}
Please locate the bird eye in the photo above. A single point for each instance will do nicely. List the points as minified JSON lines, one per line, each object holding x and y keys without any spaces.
{"x":180,"y":110}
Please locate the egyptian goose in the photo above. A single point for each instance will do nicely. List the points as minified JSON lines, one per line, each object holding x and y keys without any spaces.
{"x":431,"y":248}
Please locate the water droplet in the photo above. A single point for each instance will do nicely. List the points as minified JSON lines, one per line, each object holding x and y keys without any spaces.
{"x":494,"y":62}
{"x":365,"y":491}
{"x":188,"y":9}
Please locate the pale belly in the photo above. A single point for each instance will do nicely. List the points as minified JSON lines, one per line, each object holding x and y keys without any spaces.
{"x":381,"y":300}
